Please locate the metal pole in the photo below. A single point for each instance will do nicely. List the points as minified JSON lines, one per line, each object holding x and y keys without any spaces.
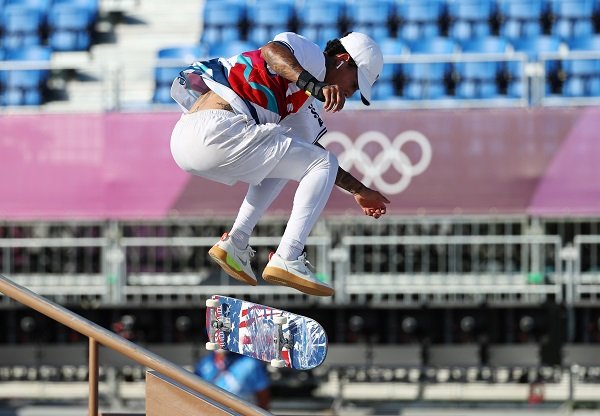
{"x":570,"y":255}
{"x":339,"y":256}
{"x":572,"y":370}
{"x":93,"y":377}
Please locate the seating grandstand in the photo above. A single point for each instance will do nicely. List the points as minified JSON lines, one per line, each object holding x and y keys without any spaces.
{"x":69,"y":26}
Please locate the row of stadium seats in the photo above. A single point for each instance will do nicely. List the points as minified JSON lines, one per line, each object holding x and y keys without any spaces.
{"x":449,"y":74}
{"x":31,"y":30}
{"x":64,"y":25}
{"x":24,"y":86}
{"x":229,"y":20}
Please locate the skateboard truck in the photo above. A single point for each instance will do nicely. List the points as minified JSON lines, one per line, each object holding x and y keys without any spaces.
{"x":215,"y":325}
{"x":280,"y":341}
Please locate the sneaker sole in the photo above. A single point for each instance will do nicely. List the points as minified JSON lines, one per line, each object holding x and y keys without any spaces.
{"x":281,"y":277}
{"x":220,"y":256}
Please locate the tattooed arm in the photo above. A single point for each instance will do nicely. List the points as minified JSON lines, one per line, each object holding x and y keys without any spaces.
{"x":372,"y":202}
{"x":282,"y":61}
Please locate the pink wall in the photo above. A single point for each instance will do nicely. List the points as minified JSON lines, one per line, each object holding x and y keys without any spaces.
{"x":100,"y":166}
{"x":88,"y":166}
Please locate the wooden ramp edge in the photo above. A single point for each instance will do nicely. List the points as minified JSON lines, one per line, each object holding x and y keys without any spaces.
{"x":164,"y":396}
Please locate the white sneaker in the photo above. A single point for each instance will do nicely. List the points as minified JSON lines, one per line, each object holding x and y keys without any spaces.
{"x":298,"y":274}
{"x":235,"y":262}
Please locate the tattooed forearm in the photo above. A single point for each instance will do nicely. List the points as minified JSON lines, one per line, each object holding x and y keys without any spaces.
{"x":348,"y":182}
{"x":345,"y":180}
{"x":281,"y":60}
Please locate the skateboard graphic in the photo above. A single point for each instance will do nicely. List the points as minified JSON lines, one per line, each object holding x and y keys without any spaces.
{"x":281,"y":338}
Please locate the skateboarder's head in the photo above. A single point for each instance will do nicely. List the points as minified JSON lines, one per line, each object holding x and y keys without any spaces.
{"x":223,"y":358}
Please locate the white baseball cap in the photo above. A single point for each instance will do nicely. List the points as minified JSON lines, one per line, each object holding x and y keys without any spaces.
{"x":369,"y":59}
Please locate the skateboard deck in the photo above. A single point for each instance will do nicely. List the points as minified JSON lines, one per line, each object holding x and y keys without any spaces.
{"x":282,"y":338}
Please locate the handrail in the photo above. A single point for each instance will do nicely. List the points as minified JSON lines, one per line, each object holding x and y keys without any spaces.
{"x":97,"y":334}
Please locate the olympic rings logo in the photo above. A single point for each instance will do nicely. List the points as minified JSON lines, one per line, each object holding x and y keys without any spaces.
{"x":389,"y":156}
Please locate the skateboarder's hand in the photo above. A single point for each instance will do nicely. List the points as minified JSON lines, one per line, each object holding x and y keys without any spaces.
{"x":371,"y":202}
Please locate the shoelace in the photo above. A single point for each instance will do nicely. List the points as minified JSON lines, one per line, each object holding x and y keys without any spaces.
{"x":250,"y":251}
{"x":309,"y":266}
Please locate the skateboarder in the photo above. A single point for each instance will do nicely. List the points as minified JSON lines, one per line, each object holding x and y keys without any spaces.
{"x":251,"y":118}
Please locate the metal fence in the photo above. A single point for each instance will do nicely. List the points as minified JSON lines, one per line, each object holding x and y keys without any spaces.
{"x":68,"y":269}
{"x":450,"y":269}
{"x":586,"y":276}
{"x":571,"y":67}
{"x":179,"y":270}
{"x":114,"y":86}
{"x":397,"y":261}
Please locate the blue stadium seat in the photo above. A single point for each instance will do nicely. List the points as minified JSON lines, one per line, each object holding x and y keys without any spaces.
{"x":40,"y":5}
{"x":164,"y":75}
{"x":533,"y":46}
{"x":419,"y":18}
{"x":536,"y":45}
{"x":186,"y":54}
{"x":320,"y":35}
{"x":470,"y":18}
{"x":384,"y":90}
{"x":372,"y":18}
{"x":223,"y":21}
{"x":389,"y":83}
{"x":582,"y":76}
{"x":427,"y":80}
{"x":162,"y":95}
{"x":320,"y":21}
{"x":26,"y":87}
{"x":178,"y":58}
{"x":92,"y":6}
{"x":69,"y":28}
{"x":21,"y":26}
{"x":267,"y":19}
{"x":477,"y":80}
{"x":521,"y":18}
{"x":572,"y":18}
{"x":226,"y":50}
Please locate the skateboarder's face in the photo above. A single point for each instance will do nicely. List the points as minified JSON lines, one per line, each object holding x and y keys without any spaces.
{"x":344,"y":74}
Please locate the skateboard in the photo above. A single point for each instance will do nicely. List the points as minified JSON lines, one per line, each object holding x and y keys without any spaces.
{"x":281,"y":338}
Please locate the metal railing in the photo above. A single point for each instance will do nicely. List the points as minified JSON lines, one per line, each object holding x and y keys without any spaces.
{"x":531,"y":73}
{"x":102,"y":90}
{"x":98,"y":335}
{"x":185,"y":271}
{"x":396,"y":261}
{"x":118,"y":88}
{"x":449,"y":269}
{"x":62,"y":267}
{"x":117,"y":270}
{"x":516,"y":60}
{"x":558,"y":59}
{"x":586,"y":267}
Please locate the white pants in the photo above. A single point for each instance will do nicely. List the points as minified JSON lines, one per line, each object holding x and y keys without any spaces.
{"x":225,"y":147}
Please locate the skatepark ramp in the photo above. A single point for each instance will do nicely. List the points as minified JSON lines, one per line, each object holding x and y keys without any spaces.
{"x":169,"y":388}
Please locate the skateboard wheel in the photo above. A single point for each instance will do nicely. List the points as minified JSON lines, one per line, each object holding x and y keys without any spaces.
{"x":277,"y":363}
{"x":212,"y":303}
{"x":212,"y":346}
{"x":280,"y":320}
